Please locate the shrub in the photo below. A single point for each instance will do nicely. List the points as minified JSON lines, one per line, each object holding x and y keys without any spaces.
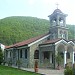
{"x":68,"y":71}
{"x":58,"y":59}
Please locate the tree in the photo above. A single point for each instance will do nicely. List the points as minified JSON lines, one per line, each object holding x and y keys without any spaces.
{"x":58,"y":59}
{"x":1,"y":56}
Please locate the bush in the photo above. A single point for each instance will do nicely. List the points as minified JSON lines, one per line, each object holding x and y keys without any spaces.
{"x":68,"y":71}
{"x":58,"y":59}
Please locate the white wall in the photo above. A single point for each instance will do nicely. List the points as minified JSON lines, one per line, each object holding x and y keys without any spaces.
{"x":2,"y":47}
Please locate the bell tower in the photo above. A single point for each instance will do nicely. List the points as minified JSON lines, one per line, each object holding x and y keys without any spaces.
{"x":58,"y":27}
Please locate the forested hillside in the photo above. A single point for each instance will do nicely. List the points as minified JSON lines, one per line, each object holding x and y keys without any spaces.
{"x":15,"y":29}
{"x":19,"y":28}
{"x":71,"y":31}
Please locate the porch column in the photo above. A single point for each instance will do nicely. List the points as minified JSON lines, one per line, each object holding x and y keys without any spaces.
{"x":50,"y":57}
{"x":41,"y":56}
{"x":65,"y":58}
{"x":73,"y":58}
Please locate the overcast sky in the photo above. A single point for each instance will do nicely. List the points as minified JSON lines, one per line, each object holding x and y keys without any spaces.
{"x":37,"y":8}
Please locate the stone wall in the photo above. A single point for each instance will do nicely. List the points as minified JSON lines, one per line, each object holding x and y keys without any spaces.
{"x":14,"y":56}
{"x":32,"y":50}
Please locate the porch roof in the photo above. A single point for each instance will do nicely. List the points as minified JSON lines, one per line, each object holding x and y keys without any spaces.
{"x":73,"y":40}
{"x":51,"y":41}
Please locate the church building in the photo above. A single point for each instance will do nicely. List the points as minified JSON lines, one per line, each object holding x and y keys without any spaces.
{"x":44,"y":48}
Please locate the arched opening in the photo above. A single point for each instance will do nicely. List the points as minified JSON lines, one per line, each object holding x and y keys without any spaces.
{"x":70,"y":55}
{"x":61,"y":22}
{"x":36,"y":54}
{"x":60,"y":50}
{"x":54,"y":22}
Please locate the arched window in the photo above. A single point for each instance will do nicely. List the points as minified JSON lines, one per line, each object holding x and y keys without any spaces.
{"x":54,"y":22}
{"x":36,"y":54}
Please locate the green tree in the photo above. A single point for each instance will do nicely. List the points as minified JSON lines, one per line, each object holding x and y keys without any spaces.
{"x":58,"y":59}
{"x":68,"y":71}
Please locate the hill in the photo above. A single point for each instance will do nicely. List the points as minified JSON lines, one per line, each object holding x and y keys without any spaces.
{"x":71,"y":31}
{"x":18,"y":28}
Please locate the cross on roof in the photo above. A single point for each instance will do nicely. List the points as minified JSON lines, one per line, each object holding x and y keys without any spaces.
{"x":57,"y":5}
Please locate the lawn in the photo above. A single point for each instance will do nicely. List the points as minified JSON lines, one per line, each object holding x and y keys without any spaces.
{"x":4,"y":70}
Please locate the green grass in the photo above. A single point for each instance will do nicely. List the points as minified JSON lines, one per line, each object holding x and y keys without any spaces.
{"x":4,"y":70}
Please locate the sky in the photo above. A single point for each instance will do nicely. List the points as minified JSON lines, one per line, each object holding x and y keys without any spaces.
{"x":37,"y":8}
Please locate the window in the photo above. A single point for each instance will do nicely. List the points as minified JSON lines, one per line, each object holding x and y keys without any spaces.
{"x":14,"y":54}
{"x":61,"y":23}
{"x":20,"y":53}
{"x":36,"y":54}
{"x":26,"y":54}
{"x":10,"y":54}
{"x":54,"y":22}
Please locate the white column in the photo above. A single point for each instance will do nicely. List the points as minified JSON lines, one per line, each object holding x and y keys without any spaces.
{"x":65,"y":57}
{"x":50,"y":57}
{"x":8,"y":54}
{"x":73,"y":58}
{"x":42,"y":57}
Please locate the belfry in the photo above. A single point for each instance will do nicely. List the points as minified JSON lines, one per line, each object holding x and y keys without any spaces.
{"x":58,"y":27}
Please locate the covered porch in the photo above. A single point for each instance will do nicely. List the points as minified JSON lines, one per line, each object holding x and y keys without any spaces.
{"x":49,"y":51}
{"x":46,"y":56}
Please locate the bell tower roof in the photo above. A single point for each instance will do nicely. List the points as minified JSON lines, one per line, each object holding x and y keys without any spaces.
{"x":57,"y":12}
